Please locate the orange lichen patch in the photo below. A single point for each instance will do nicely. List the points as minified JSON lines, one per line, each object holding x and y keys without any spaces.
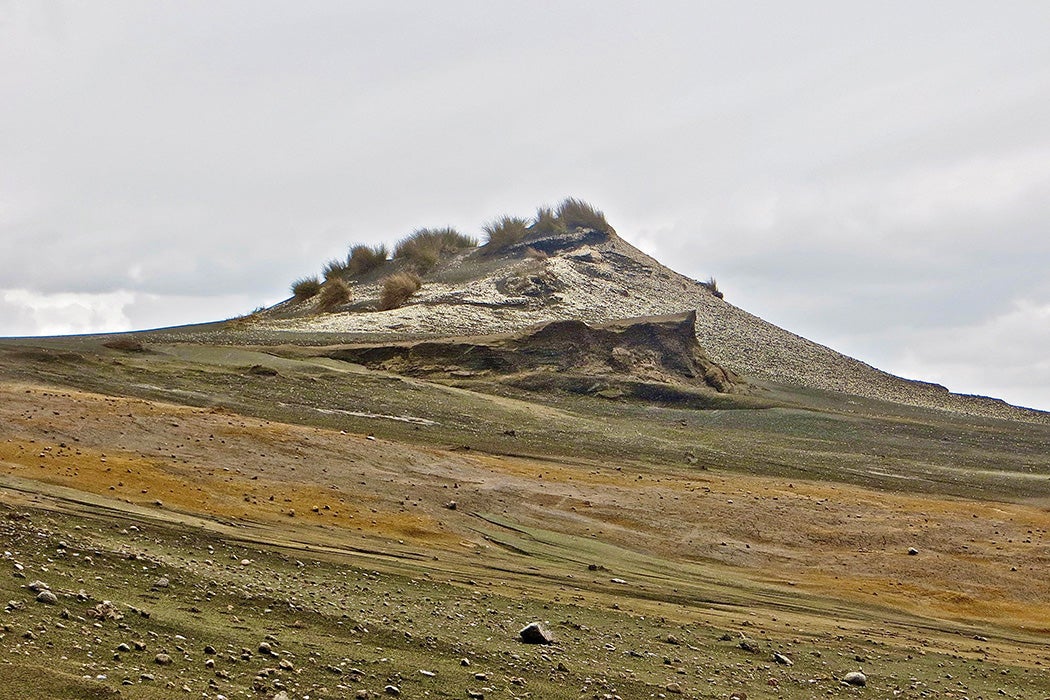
{"x":144,"y":481}
{"x":988,"y":605}
{"x":551,"y":472}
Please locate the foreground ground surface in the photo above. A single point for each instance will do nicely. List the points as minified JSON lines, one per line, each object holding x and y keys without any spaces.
{"x":225,"y":498}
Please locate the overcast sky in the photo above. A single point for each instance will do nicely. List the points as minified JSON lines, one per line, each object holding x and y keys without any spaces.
{"x":872,"y":176}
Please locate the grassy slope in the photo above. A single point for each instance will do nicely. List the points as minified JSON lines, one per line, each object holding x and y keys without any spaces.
{"x":687,"y":508}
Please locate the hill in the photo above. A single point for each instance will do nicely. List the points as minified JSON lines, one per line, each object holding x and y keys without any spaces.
{"x":596,"y":276}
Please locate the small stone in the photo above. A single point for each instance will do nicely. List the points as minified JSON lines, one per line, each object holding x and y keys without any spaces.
{"x":749,"y":646}
{"x":912,"y":551}
{"x":464,"y":662}
{"x":209,"y":650}
{"x":162,"y":660}
{"x":162,"y":582}
{"x":46,"y":597}
{"x":122,"y":647}
{"x":265,"y":648}
{"x":147,"y":677}
{"x":534,"y":633}
{"x":362,"y":695}
{"x":392,"y":690}
{"x":782,"y":660}
{"x":37,"y":586}
{"x":855,"y":678}
{"x":451,"y":505}
{"x":673,"y":688}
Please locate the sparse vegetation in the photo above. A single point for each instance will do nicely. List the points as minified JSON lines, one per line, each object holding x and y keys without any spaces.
{"x":575,"y":213}
{"x":125,"y":344}
{"x":535,"y":254}
{"x":363,"y":259}
{"x":306,"y":287}
{"x":504,"y":232}
{"x":397,"y":289}
{"x":712,"y":286}
{"x":334,"y":293}
{"x":426,"y":246}
{"x":546,"y":223}
{"x":334,"y":269}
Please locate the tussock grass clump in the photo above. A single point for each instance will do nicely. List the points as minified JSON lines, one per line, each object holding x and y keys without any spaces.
{"x":504,"y":232}
{"x":397,"y":288}
{"x":546,"y":223}
{"x":334,"y":293}
{"x":333,"y":269}
{"x":575,"y":213}
{"x":712,"y":286}
{"x":363,"y":258}
{"x":424,"y":247}
{"x":306,"y":287}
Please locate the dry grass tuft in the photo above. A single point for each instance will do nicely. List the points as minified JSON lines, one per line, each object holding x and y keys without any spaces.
{"x":712,"y":286}
{"x":426,"y":246}
{"x":334,"y":269}
{"x":397,"y":289}
{"x":365,"y":258}
{"x":575,"y":213}
{"x":334,"y":293}
{"x":546,"y":223}
{"x":504,"y":232}
{"x":306,"y":287}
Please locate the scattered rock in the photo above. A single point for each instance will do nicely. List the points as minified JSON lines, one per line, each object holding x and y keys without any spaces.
{"x":265,"y":648}
{"x":37,"y":586}
{"x":912,"y":551}
{"x":122,"y":647}
{"x":162,"y":660}
{"x":749,"y":646}
{"x":782,"y":660}
{"x":104,"y":611}
{"x":392,"y":690}
{"x":856,"y":678}
{"x":673,"y":688}
{"x":451,"y":505}
{"x":534,"y":633}
{"x":162,"y":582}
{"x":46,"y":596}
